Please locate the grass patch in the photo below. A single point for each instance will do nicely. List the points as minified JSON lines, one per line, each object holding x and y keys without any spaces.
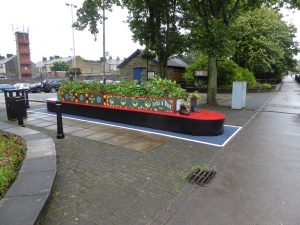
{"x":11,"y":156}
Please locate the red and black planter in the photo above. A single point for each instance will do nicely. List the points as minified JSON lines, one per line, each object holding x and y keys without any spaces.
{"x":204,"y":122}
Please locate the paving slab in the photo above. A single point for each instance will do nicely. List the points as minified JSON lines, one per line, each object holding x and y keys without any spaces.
{"x":84,"y":132}
{"x":101,"y":136}
{"x":44,"y":124}
{"x":71,"y":129}
{"x":21,"y":210}
{"x":40,"y":183}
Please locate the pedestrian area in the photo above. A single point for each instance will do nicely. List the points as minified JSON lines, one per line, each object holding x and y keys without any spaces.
{"x":109,"y":175}
{"x":130,"y":139}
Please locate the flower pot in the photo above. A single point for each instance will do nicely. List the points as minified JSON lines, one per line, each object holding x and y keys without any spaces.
{"x":194,"y":105}
{"x":184,"y":110}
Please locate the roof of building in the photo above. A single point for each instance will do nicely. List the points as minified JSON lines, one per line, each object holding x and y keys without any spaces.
{"x":5,"y":60}
{"x":69,"y":58}
{"x":64,"y":59}
{"x":114,"y":61}
{"x":172,"y":62}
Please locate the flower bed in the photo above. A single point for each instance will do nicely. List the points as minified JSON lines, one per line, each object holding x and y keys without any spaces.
{"x":156,"y":95}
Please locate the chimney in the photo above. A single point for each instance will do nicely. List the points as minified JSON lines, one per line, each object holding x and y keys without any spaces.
{"x":9,"y":55}
{"x":2,"y":57}
{"x":51,"y":58}
{"x":56,"y":57}
{"x":44,"y":59}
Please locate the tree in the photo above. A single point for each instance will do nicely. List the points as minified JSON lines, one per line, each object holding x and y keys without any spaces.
{"x":75,"y":71}
{"x":209,"y":23}
{"x":155,"y":24}
{"x":264,"y":43}
{"x":60,"y":66}
{"x":91,"y":13}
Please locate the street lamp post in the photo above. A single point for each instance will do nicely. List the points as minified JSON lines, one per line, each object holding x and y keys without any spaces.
{"x":74,"y":59}
{"x":104,"y":56}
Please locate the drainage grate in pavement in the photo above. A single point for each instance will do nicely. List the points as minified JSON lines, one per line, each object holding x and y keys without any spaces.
{"x":201,"y":177}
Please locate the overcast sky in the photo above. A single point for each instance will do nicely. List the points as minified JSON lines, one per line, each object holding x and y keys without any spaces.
{"x":49,"y":23}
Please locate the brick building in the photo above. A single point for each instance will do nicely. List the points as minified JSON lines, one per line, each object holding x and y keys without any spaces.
{"x":89,"y":68}
{"x":25,"y":67}
{"x":8,"y":66}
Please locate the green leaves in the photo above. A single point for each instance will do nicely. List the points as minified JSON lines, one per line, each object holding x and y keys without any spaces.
{"x":11,"y":156}
{"x":264,"y":43}
{"x":60,"y":66}
{"x":157,"y":87}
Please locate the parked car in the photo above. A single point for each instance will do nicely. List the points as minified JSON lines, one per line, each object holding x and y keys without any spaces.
{"x":35,"y":88}
{"x":6,"y":87}
{"x":22,"y":86}
{"x":51,"y":85}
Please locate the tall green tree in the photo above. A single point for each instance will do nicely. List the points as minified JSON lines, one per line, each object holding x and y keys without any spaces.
{"x":209,"y":22}
{"x":155,"y":24}
{"x":264,"y":43}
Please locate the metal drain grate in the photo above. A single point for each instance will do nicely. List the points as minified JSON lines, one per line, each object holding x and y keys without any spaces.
{"x":201,"y":177}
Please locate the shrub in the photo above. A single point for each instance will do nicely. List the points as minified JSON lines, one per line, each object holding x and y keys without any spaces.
{"x":229,"y":71}
{"x":200,"y":64}
{"x":75,"y":71}
{"x":156,"y":87}
{"x":11,"y":156}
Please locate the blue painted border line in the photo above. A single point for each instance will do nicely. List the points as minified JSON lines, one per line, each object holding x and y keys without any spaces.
{"x":218,"y":141}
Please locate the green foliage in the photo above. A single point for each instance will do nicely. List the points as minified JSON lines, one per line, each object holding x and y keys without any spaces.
{"x":201,"y":63}
{"x":229,"y":71}
{"x":90,"y":14}
{"x":147,"y":54}
{"x":155,"y":24}
{"x":11,"y":156}
{"x":264,"y":43}
{"x":75,"y":71}
{"x":195,"y":95}
{"x":157,"y":87}
{"x":60,"y":66}
{"x":264,"y":85}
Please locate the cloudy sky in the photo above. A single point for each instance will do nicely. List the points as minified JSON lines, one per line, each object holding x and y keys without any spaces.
{"x":50,"y":32}
{"x":49,"y":24}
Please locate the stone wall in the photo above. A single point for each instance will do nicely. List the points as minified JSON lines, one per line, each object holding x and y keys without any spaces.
{"x":126,"y":72}
{"x":12,"y":68}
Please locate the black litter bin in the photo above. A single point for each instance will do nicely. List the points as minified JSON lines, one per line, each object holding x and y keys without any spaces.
{"x":12,"y":100}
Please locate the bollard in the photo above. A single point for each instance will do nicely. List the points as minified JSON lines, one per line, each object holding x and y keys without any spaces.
{"x":60,"y":131}
{"x":20,"y":104}
{"x":26,"y":99}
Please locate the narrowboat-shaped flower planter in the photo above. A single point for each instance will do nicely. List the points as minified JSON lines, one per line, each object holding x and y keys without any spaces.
{"x":152,"y":104}
{"x":167,"y":105}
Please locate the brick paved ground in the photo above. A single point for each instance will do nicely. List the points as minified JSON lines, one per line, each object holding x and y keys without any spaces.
{"x":106,"y":179}
{"x":113,"y":176}
{"x":99,"y":183}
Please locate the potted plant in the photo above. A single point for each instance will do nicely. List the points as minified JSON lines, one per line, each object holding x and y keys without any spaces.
{"x":185,"y":107}
{"x":195,"y":96}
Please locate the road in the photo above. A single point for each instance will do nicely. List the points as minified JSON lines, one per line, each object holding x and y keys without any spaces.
{"x":32,"y":96}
